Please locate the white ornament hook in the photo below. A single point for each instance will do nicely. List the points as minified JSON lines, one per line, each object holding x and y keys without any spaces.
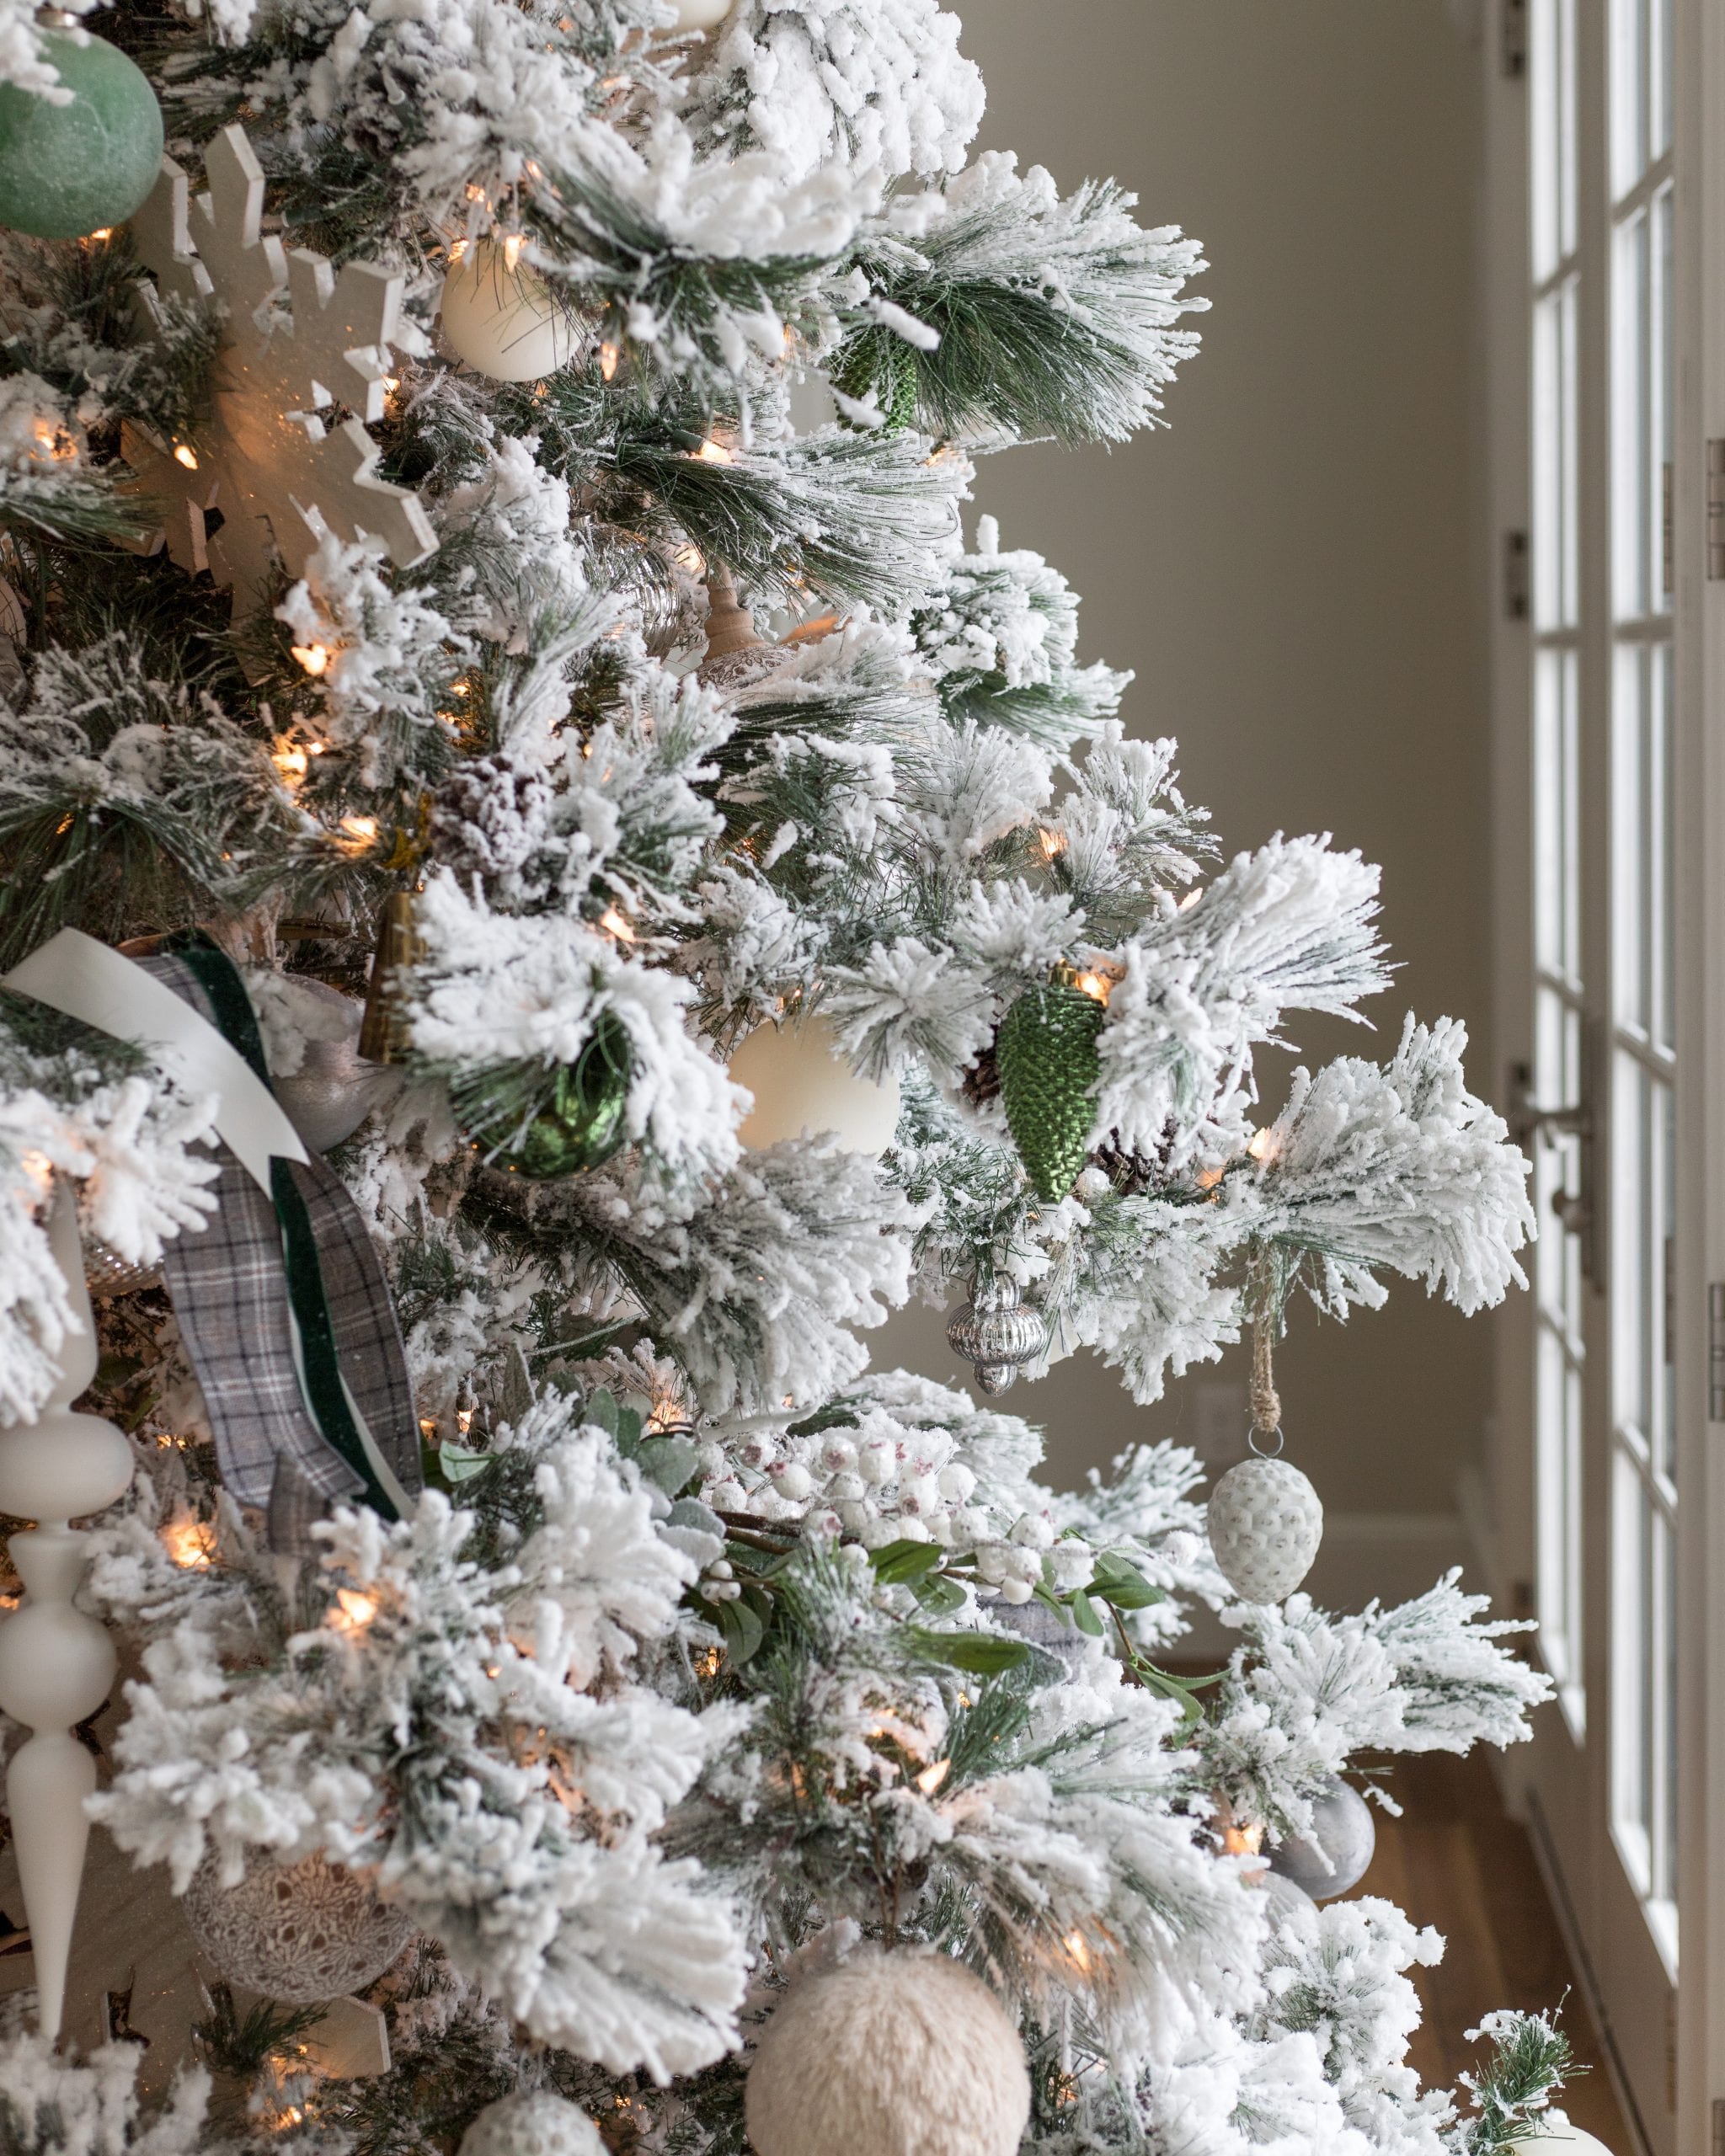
{"x":56,"y":1664}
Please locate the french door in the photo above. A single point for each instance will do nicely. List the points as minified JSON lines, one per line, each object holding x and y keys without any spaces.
{"x":1606,"y":283}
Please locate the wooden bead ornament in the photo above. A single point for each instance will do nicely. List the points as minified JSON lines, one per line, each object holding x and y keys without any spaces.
{"x":56,"y":1665}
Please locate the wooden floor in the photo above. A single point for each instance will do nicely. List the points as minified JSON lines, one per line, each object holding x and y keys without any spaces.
{"x":1455,"y":1860}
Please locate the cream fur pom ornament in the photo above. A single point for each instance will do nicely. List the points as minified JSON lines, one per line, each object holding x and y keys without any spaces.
{"x":900,"y":2054}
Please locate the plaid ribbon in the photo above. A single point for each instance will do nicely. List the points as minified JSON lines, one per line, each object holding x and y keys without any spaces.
{"x":280,"y":1395}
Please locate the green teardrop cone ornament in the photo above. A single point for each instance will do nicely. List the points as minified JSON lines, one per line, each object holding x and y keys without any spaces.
{"x":578,"y":1121}
{"x":68,"y":170}
{"x":884,"y":363}
{"x":1047,"y":1052}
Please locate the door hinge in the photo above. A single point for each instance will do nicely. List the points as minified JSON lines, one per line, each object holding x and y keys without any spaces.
{"x":1716,"y":1358}
{"x":1716,"y":511}
{"x":1516,"y":588}
{"x":1512,"y":37}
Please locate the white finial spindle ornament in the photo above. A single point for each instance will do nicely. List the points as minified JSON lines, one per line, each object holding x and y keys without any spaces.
{"x":56,"y":1665}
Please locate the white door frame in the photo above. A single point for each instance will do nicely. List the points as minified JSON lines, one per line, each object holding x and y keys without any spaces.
{"x":1671,"y":2074}
{"x":1700,"y":119}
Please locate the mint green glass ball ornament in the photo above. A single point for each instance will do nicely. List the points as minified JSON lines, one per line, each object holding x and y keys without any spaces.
{"x":68,"y":170}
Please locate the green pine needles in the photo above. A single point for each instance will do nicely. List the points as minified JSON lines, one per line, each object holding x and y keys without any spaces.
{"x":1530,"y":2061}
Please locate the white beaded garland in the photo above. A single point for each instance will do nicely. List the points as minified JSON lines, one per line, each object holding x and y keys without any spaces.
{"x":296,"y":1932}
{"x":1266,"y":1521}
{"x":803,"y":1084}
{"x":539,"y":2124}
{"x":499,"y":314}
{"x":899,"y":2054}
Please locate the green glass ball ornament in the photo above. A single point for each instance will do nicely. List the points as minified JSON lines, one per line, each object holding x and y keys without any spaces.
{"x":1046,"y":1049}
{"x":579,"y":1121}
{"x":69,"y":170}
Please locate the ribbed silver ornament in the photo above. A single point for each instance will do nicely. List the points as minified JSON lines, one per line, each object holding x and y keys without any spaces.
{"x":996,"y":1333}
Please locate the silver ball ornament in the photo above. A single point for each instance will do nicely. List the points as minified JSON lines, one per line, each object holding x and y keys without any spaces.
{"x":1043,"y":1628}
{"x":1265,"y":1522}
{"x":899,"y":2054}
{"x":1291,"y":1907}
{"x":1336,"y":1851}
{"x":536,"y":2124}
{"x":335,"y":1087}
{"x":299,"y":1933}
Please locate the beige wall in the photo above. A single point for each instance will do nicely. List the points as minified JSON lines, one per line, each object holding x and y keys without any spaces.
{"x":1291,"y":570}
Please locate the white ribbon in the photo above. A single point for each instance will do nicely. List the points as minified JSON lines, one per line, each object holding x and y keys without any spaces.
{"x":75,"y":973}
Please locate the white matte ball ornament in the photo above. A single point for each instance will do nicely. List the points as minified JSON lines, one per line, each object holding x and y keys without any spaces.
{"x":889,"y":2055}
{"x":499,"y":314}
{"x":1555,"y":2132}
{"x":541,"y":2124}
{"x":1265,"y":1523}
{"x":803,"y":1084}
{"x":701,"y":14}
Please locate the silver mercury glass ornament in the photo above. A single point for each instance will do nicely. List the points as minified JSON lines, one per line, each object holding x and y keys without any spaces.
{"x":996,"y":1333}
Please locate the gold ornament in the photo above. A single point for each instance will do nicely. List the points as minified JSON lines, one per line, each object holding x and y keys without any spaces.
{"x":106,"y":1273}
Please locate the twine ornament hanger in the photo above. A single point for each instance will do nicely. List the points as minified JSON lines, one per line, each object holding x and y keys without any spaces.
{"x":1266,"y":1400}
{"x":1264,"y":1518}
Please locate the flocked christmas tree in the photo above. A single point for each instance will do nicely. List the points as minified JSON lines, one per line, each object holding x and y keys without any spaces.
{"x":545,"y":893}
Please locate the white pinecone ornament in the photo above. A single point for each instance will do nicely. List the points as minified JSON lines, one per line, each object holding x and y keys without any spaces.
{"x":541,"y":2124}
{"x":901,"y":2054}
{"x":1265,"y":1523}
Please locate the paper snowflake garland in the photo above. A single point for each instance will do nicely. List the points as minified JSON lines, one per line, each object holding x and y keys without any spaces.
{"x":281,"y":479}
